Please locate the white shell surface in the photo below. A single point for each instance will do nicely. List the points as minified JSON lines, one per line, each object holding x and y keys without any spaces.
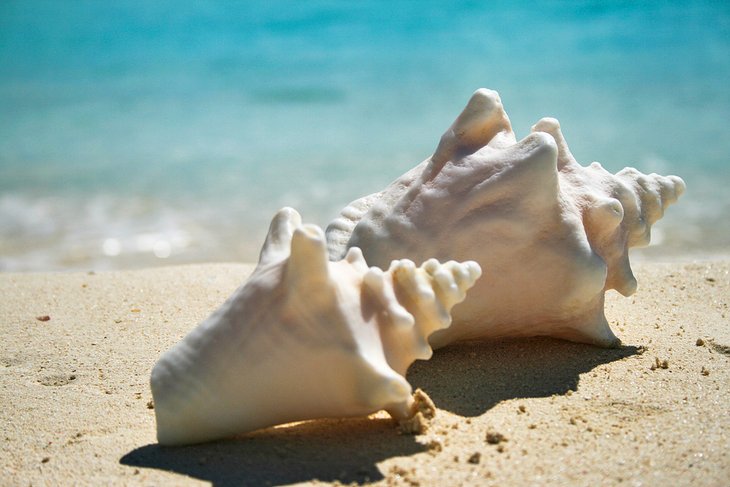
{"x":305,"y":338}
{"x":551,"y":235}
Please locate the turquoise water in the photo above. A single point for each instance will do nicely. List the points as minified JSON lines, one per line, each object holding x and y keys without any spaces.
{"x":142,"y":133}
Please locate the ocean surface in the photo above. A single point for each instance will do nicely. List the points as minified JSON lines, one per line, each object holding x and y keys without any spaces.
{"x":136,"y":133}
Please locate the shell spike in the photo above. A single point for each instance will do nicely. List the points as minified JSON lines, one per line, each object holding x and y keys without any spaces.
{"x":278,"y":240}
{"x":604,"y":216}
{"x":552,"y":126}
{"x":596,"y":331}
{"x":679,"y":187}
{"x":308,"y":259}
{"x":474,"y":269}
{"x":482,"y":120}
{"x":537,"y":150}
{"x":390,"y":391}
{"x":354,"y":257}
{"x":624,"y":281}
{"x":380,"y":286}
{"x":464,"y":274}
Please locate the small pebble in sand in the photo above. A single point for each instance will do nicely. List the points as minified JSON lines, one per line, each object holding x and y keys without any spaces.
{"x":475,"y":458}
{"x":45,"y":459}
{"x":423,"y":412}
{"x":495,"y":438}
{"x":659,"y":364}
{"x":700,"y":342}
{"x":435,"y":446}
{"x":521,"y":409}
{"x":705,"y":371}
{"x":43,"y":318}
{"x":396,"y":474}
{"x":424,"y":404}
{"x":415,"y":425}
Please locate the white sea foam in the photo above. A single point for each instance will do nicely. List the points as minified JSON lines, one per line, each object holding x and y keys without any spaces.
{"x":104,"y":231}
{"x":41,"y":233}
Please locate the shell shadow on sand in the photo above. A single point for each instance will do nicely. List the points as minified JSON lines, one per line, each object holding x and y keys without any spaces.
{"x":344,"y":450}
{"x":467,"y":379}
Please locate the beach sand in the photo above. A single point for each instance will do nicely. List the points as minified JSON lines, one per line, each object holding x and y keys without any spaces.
{"x":76,"y":400}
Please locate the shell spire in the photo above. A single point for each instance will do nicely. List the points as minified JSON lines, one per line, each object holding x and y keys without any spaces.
{"x":482,"y":122}
{"x":554,"y":234}
{"x":305,"y":338}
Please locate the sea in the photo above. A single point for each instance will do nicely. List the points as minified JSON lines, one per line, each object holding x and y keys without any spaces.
{"x":138,"y":133}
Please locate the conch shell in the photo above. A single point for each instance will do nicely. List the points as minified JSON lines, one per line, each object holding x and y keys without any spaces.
{"x":305,"y":338}
{"x":552,"y":235}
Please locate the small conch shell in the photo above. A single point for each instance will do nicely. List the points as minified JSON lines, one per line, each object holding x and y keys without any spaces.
{"x":554,"y":235}
{"x":305,"y":338}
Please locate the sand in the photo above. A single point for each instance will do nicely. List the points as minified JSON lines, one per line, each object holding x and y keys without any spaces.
{"x":76,"y":401}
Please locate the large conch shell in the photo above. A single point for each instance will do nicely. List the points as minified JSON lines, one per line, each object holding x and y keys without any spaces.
{"x":305,"y":338}
{"x":553,"y":235}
